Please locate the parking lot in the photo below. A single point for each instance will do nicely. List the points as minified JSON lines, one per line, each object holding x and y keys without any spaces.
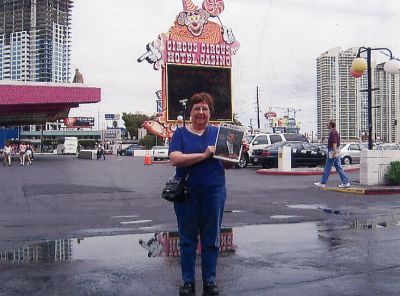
{"x":289,"y":235}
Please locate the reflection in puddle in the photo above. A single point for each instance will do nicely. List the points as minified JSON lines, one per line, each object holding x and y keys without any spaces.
{"x":379,"y":221}
{"x":57,"y":250}
{"x":160,"y":244}
{"x":167,"y":243}
{"x":336,"y":231}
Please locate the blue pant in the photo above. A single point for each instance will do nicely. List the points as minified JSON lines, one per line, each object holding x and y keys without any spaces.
{"x":338,"y":166}
{"x":200,"y":214}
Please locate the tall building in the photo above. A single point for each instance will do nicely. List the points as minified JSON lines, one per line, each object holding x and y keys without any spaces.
{"x":342,"y":98}
{"x":386,"y":103}
{"x":35,"y":40}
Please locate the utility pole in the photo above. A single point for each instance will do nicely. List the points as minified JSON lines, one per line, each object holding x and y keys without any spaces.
{"x":258,"y":111}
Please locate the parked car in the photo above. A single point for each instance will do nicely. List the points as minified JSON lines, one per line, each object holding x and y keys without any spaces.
{"x":303,"y":154}
{"x":160,"y":152}
{"x":129,"y":150}
{"x":261,"y":141}
{"x":392,"y":147}
{"x":350,"y":152}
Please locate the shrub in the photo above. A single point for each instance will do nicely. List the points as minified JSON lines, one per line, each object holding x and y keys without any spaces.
{"x":87,"y":143}
{"x":392,"y":176}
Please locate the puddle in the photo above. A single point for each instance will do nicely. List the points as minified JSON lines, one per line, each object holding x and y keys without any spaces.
{"x":284,"y":216}
{"x":333,"y":230}
{"x":135,"y":222}
{"x":379,"y":221}
{"x":137,"y":248}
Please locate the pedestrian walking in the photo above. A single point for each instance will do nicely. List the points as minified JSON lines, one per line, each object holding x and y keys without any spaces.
{"x":29,"y":154}
{"x":333,"y":158}
{"x":7,"y":155}
{"x":100,"y":152}
{"x":191,"y":150}
{"x":22,"y":149}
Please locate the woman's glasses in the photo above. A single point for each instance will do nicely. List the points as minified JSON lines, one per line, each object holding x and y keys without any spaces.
{"x":198,"y":109}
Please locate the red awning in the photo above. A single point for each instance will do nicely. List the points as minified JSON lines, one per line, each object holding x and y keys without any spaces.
{"x":34,"y":103}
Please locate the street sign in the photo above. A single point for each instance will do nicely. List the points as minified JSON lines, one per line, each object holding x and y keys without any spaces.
{"x":270,"y":115}
{"x":109,"y":116}
{"x":159,"y":106}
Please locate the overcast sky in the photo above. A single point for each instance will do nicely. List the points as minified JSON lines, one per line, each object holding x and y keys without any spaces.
{"x":280,"y":41}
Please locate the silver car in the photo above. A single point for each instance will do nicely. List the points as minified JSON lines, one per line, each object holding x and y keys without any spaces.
{"x":350,"y":152}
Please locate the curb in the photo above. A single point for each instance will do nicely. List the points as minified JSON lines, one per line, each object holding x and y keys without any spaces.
{"x":364,"y":191}
{"x":360,"y":191}
{"x":160,"y":161}
{"x":301,"y":173}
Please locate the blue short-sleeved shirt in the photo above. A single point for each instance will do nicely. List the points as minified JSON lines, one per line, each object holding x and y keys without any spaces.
{"x":207,"y":173}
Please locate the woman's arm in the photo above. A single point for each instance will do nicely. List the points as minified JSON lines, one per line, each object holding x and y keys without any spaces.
{"x":178,"y":158}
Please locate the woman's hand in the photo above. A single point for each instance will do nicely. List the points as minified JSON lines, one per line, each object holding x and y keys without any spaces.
{"x":210,"y":151}
{"x":178,"y":158}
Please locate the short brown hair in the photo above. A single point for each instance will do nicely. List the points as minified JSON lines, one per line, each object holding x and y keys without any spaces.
{"x":332,"y":123}
{"x":202,"y":97}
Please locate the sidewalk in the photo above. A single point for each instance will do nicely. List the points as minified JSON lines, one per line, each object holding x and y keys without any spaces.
{"x":355,"y":188}
{"x":304,"y":171}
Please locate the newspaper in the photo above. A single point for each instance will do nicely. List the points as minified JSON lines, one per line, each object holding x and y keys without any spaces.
{"x":229,"y":142}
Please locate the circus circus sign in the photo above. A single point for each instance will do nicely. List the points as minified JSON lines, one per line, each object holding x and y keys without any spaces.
{"x":197,"y":53}
{"x":194,"y":55}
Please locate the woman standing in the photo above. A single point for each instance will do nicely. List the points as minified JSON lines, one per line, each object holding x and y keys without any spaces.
{"x":191,"y":151}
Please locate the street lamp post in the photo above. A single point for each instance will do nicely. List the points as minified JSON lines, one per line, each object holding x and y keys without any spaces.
{"x":358,"y":67}
{"x":183,"y":112}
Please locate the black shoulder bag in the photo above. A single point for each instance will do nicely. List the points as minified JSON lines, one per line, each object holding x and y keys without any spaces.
{"x":175,"y":190}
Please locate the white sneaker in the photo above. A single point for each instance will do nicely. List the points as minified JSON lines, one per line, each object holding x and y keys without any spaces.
{"x":319,"y":184}
{"x":345,"y":185}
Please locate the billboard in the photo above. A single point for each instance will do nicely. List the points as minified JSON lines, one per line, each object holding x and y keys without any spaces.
{"x":183,"y":81}
{"x":195,"y":55}
{"x":79,"y":122}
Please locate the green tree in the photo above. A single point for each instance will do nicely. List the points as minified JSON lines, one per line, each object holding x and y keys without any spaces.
{"x":134,"y":121}
{"x":148,"y":141}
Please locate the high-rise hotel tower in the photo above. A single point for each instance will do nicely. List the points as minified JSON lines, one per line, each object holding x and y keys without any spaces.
{"x":35,"y":40}
{"x":343,"y":98}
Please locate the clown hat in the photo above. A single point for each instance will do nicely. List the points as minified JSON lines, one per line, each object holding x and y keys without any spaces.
{"x":188,"y":5}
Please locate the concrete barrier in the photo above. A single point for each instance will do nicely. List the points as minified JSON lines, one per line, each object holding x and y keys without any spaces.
{"x":87,"y":154}
{"x":374,"y":164}
{"x":142,"y":152}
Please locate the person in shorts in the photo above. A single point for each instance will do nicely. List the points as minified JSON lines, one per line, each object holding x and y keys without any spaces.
{"x":22,"y":150}
{"x":29,"y":154}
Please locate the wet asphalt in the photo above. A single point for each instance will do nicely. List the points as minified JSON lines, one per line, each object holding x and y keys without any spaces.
{"x":73,"y":227}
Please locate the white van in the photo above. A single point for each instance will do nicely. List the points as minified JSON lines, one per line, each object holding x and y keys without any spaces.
{"x":261,"y":141}
{"x":70,"y":145}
